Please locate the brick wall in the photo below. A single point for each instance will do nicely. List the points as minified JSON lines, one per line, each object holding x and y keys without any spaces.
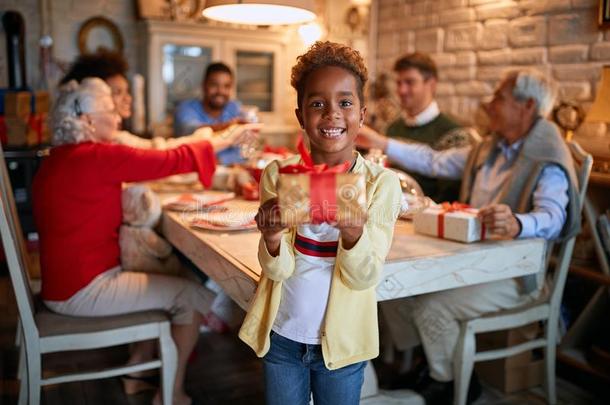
{"x":475,"y":41}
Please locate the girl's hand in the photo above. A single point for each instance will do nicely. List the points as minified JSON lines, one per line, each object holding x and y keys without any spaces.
{"x":351,"y":230}
{"x":268,"y":222}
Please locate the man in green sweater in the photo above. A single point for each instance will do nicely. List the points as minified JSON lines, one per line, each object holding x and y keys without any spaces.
{"x":421,"y":120}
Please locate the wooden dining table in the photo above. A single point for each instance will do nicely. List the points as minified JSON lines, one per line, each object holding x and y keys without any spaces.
{"x":416,"y":264}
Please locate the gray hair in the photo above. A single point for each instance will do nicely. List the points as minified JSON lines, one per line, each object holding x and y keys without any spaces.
{"x":532,"y":84}
{"x":74,"y":100}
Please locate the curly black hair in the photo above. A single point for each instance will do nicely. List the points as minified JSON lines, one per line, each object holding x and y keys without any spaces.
{"x":216,"y":67}
{"x":103,"y":64}
{"x":322,"y":54}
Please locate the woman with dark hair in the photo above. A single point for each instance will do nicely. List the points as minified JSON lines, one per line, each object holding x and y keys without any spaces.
{"x":109,"y":66}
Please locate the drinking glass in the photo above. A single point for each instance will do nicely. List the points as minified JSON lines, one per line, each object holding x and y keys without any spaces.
{"x":249,"y":114}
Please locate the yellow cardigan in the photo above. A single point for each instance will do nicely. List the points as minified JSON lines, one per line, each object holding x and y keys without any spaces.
{"x":349,"y":333}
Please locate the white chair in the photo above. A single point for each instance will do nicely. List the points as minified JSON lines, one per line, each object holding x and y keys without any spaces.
{"x":545,"y":309}
{"x":44,"y":332}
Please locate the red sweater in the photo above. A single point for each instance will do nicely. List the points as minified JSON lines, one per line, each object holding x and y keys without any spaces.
{"x":77,"y":205}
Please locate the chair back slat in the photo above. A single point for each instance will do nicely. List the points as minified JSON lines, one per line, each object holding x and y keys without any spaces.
{"x":583,"y":162}
{"x":15,"y":251}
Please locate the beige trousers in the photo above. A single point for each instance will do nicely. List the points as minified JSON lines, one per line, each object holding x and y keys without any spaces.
{"x":116,"y":292}
{"x":432,"y":320}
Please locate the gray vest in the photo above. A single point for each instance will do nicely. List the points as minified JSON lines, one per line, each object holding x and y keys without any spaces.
{"x":542,"y":146}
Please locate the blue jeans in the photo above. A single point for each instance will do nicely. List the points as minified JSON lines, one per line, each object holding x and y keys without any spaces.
{"x":294,"y":371}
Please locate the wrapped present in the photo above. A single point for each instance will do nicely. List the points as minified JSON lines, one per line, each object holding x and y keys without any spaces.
{"x":309,"y":193}
{"x":31,"y":132}
{"x":455,"y":221}
{"x":42,"y":102}
{"x":38,"y":131}
{"x":16,"y":131}
{"x":17,"y":104}
{"x":321,"y":197}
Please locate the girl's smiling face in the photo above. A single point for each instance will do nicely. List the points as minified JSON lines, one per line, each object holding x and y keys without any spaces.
{"x":331,"y":114}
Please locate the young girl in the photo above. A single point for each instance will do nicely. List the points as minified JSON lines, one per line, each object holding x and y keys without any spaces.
{"x":314,"y":317}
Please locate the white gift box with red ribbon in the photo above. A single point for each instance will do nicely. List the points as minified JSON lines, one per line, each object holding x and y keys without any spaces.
{"x":454,"y":221}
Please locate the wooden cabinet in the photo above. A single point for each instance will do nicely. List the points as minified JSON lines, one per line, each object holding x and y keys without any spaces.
{"x":176,"y":54}
{"x":577,"y":343}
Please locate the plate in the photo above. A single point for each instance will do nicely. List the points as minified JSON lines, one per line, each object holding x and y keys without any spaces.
{"x":160,"y":187}
{"x":209,"y":226}
{"x":178,"y":183}
{"x":233,"y":219}
{"x":194,"y":202}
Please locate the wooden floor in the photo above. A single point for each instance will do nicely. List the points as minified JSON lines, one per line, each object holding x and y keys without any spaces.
{"x":223,"y":371}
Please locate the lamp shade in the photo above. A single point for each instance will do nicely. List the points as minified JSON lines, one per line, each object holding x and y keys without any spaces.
{"x":259,"y":12}
{"x":600,"y":110}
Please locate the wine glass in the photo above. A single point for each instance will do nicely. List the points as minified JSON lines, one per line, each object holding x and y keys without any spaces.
{"x":249,"y":149}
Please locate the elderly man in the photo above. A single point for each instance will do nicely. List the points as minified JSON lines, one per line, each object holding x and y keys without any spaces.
{"x":523,"y":180}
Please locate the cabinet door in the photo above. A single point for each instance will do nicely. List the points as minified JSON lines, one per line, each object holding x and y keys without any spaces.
{"x":254,"y":79}
{"x":175,"y":67}
{"x":257,"y":74}
{"x":182,"y":70}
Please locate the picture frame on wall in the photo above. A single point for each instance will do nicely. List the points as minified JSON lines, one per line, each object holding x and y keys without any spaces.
{"x":99,"y":32}
{"x":604,"y":13}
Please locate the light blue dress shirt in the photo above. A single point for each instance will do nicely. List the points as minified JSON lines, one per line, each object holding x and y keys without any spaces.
{"x":550,"y":197}
{"x":190,"y":115}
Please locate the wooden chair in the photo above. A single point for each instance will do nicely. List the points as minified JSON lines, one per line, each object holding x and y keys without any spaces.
{"x":43,"y":331}
{"x":545,"y":309}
